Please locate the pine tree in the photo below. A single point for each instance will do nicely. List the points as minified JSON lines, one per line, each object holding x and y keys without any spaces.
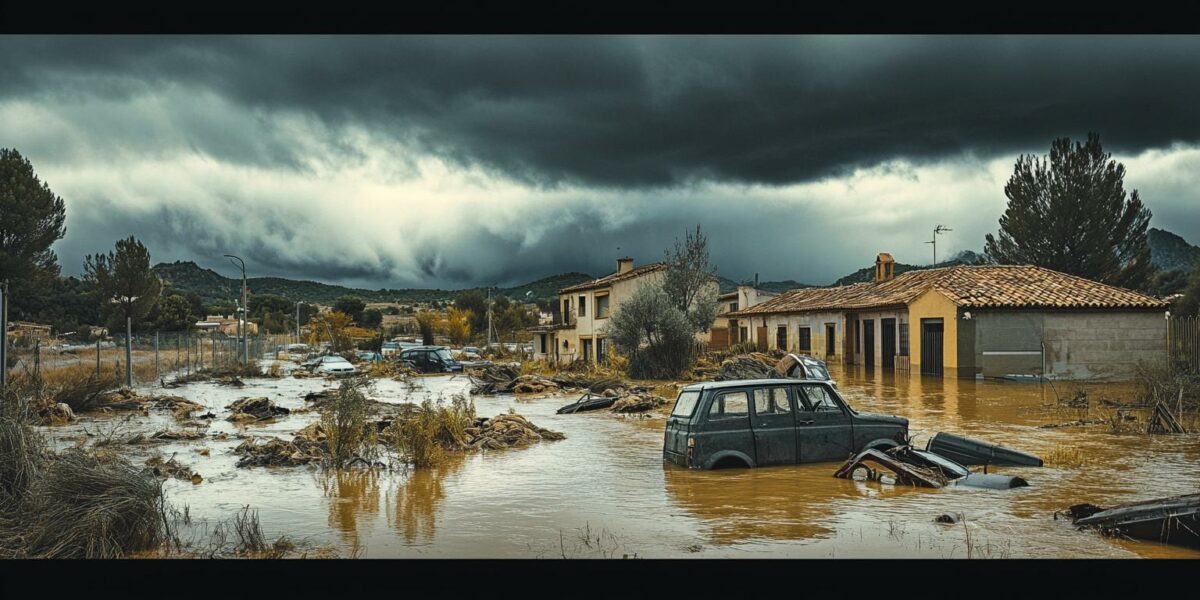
{"x":124,"y":281}
{"x":1069,"y":212}
{"x":31,"y":219}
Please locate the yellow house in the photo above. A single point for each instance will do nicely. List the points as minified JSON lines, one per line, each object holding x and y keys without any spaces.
{"x":968,"y":321}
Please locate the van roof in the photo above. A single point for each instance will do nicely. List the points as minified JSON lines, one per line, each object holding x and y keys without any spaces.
{"x":717,"y":385}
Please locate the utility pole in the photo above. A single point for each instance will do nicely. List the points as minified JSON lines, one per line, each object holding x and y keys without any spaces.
{"x":936,"y":231}
{"x":245,"y":317}
{"x":297,"y":321}
{"x":489,"y":317}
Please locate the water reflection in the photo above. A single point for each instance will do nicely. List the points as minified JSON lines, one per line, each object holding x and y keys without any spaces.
{"x":415,"y":499}
{"x":740,"y":505}
{"x":353,"y":496}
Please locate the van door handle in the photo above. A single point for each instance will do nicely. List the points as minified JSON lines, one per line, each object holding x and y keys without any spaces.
{"x":806,"y":422}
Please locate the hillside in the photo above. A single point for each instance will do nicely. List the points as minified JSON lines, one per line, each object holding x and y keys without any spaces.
{"x":187,"y":276}
{"x":966,"y":257}
{"x":1170,"y":252}
{"x":728,"y":285}
{"x":545,"y":288}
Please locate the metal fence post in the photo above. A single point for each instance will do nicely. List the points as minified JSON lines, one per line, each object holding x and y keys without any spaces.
{"x":128,"y":351}
{"x":97,"y":358}
{"x":3,"y":337}
{"x":189,"y":354}
{"x":37,"y":359}
{"x":156,"y":371}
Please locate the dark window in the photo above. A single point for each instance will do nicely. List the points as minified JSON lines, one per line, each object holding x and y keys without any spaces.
{"x":781,"y":337}
{"x":601,"y":350}
{"x":732,"y":306}
{"x":729,"y":405}
{"x":857,"y":337}
{"x":743,"y":334}
{"x":583,"y":306}
{"x":602,"y":307}
{"x":806,"y":339}
{"x":770,"y":401}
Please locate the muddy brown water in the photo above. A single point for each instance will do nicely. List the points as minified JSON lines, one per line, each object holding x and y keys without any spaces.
{"x":604,"y":491}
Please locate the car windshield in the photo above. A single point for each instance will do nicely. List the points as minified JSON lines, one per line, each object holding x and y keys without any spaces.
{"x":816,"y":370}
{"x":685,"y":404}
{"x":442,"y":353}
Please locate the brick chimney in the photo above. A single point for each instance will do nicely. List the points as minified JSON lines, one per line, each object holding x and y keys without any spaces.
{"x":885,"y":267}
{"x":624,"y":265}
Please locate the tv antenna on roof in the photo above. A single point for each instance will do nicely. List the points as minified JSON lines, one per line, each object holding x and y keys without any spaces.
{"x":936,"y":231}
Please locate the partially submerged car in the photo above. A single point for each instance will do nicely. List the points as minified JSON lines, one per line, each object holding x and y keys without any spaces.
{"x":803,"y":366}
{"x":759,"y":422}
{"x":907,"y":465}
{"x":334,"y":365}
{"x":430,"y":359}
{"x":1174,"y":520}
{"x":366,"y":355}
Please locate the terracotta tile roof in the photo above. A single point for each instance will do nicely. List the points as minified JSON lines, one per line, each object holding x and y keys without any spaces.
{"x":969,"y":286}
{"x":613,"y":278}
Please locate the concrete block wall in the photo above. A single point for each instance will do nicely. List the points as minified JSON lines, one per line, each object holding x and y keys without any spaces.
{"x":1078,"y":344}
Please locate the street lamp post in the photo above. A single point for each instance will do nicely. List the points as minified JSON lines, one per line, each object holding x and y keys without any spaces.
{"x":245,"y":308}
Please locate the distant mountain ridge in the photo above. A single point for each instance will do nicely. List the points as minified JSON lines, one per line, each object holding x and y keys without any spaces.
{"x":966,"y":257}
{"x":1168,"y":252}
{"x":187,"y":276}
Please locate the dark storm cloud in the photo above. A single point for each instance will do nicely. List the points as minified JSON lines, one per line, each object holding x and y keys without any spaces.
{"x":647,"y":112}
{"x":306,"y":155}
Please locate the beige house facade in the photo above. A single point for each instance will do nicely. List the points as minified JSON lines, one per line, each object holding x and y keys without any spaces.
{"x":728,"y":331}
{"x":579,"y":331}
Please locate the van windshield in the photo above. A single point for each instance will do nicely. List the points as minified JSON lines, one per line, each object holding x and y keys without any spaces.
{"x":685,"y":405}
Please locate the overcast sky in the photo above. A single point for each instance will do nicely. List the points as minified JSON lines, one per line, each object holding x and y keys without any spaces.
{"x":461,"y":161}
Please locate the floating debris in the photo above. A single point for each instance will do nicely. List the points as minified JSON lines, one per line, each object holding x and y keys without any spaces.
{"x":255,"y":409}
{"x":278,"y":453}
{"x":1173,"y":520}
{"x":506,"y":431}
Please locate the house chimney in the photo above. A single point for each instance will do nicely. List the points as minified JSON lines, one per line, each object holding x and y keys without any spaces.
{"x":885,"y":267}
{"x":624,"y":265}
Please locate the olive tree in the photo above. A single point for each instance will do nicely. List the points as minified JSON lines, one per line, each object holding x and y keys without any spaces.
{"x":653,"y":333}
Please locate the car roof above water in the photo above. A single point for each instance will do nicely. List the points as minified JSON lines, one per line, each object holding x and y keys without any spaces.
{"x":733,"y":383}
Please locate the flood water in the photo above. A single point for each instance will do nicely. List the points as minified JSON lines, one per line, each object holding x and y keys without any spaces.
{"x":604,"y":491}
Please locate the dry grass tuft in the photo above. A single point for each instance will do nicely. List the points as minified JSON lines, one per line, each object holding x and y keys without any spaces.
{"x":432,"y":430}
{"x":345,"y":422}
{"x":1065,"y":456}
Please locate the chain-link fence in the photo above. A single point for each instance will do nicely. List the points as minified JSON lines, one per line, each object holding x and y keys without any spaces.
{"x":154,"y":355}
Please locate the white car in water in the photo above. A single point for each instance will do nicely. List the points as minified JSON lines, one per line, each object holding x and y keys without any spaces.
{"x":335,"y":365}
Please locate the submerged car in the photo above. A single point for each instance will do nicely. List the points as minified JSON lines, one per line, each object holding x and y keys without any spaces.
{"x":760,"y":422}
{"x":369,"y":356}
{"x":431,"y":359}
{"x":803,"y":366}
{"x":334,"y":365}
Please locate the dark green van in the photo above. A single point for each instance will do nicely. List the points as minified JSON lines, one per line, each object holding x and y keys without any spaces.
{"x":759,"y":422}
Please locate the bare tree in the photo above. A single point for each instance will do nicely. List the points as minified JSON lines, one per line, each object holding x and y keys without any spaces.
{"x":690,"y":280}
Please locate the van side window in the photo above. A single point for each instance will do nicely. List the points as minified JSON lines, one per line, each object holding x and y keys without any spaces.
{"x":819,"y":398}
{"x":771,"y":401}
{"x":729,"y":405}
